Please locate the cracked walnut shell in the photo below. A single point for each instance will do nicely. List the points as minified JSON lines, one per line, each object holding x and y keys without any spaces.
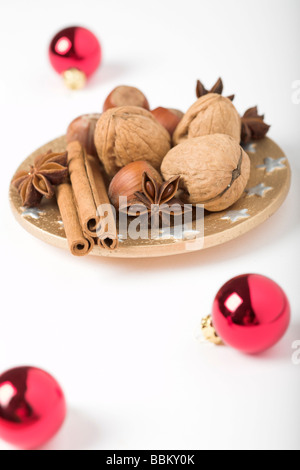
{"x":210,"y":114}
{"x":128,"y":134}
{"x":214,"y":170}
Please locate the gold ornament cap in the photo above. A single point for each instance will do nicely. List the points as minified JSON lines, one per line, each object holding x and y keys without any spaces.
{"x":74,"y":78}
{"x":209,"y":331}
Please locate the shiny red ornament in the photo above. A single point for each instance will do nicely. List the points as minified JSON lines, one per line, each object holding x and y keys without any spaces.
{"x":75,"y":48}
{"x":251,"y":313}
{"x":32,"y":407}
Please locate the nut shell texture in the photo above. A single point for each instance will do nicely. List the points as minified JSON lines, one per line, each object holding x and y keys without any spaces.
{"x":82,"y":129}
{"x":210,"y":114}
{"x":128,"y":134}
{"x":125,"y":96}
{"x":207,"y":165}
{"x":129,"y":180}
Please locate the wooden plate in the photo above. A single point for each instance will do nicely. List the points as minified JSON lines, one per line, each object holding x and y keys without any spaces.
{"x":267,"y":189}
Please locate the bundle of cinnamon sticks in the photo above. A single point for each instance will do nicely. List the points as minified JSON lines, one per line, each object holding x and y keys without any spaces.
{"x":84,"y":204}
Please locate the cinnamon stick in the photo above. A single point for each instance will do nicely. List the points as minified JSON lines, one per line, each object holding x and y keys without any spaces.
{"x":91,"y":196}
{"x":79,"y":243}
{"x":107,"y":232}
{"x":83,"y":195}
{"x":107,"y":235}
{"x":108,"y":242}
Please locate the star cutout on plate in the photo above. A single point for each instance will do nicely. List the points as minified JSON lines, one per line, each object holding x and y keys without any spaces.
{"x":272,"y":164}
{"x":33,"y":212}
{"x":234,"y":216}
{"x":121,"y":238}
{"x":258,"y":190}
{"x":61,"y":224}
{"x":191,"y":234}
{"x":177,"y":233}
{"x":250,"y":147}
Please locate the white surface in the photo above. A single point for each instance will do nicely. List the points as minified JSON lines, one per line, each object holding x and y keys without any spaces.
{"x":120,"y":335}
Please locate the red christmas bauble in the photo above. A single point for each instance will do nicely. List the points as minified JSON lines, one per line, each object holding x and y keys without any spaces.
{"x":32,"y":407}
{"x":251,"y":313}
{"x":75,"y":48}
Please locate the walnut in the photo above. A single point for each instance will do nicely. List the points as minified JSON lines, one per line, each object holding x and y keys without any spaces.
{"x":127,"y":134}
{"x":214,"y":170}
{"x":210,"y":114}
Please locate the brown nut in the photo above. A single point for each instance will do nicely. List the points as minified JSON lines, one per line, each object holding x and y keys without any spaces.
{"x":129,"y":180}
{"x":169,"y":118}
{"x":125,"y":96}
{"x":127,"y":134}
{"x":214,"y":170}
{"x":210,"y":114}
{"x":83,"y":129}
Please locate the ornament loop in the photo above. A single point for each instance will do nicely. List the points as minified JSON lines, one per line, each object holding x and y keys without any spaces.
{"x":209,"y":331}
{"x":74,"y":78}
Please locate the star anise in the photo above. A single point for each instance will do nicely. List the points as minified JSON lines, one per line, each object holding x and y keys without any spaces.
{"x":157,"y":200}
{"x":253,"y":126}
{"x":48,"y":170}
{"x":217,"y":88}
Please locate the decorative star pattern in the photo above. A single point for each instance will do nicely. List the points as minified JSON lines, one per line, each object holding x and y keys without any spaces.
{"x":250,"y":147}
{"x":61,"y":224}
{"x":234,"y":216}
{"x":32,"y":212}
{"x":258,"y":190}
{"x":178,"y":233}
{"x":191,"y":234}
{"x":272,"y":164}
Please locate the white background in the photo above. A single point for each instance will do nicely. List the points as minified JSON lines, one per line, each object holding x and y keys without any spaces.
{"x":119,"y":335}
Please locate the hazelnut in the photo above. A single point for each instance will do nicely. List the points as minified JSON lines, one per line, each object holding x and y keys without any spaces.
{"x":127,"y":134}
{"x":210,"y":114}
{"x":214,"y":170}
{"x":129,"y":180}
{"x":177,"y":113}
{"x":83,"y":129}
{"x":125,"y":96}
{"x":169,"y":118}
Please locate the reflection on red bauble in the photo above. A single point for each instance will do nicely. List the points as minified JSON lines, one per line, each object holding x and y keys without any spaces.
{"x":75,"y":49}
{"x":251,"y":313}
{"x":32,"y":407}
